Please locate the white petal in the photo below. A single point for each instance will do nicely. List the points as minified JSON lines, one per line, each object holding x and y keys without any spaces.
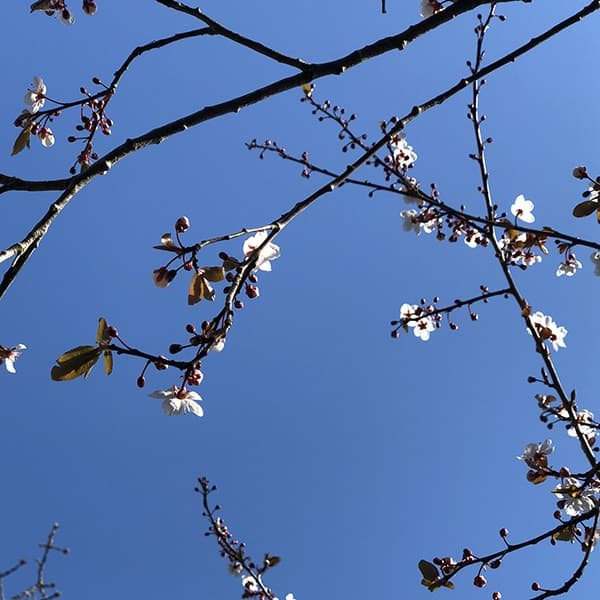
{"x":162,"y":394}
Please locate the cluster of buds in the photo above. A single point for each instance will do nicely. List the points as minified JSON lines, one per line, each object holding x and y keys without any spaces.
{"x":519,"y":248}
{"x":93,"y":118}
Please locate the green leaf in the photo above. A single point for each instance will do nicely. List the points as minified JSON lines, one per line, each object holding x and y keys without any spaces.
{"x":565,"y":535}
{"x":75,"y":363}
{"x":108,"y":362}
{"x":214,"y":273}
{"x":100,"y":332}
{"x":22,"y":141}
{"x":196,"y":289}
{"x":585,"y":208}
{"x":428,"y":570}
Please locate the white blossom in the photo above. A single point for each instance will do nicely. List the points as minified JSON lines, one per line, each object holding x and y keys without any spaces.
{"x":36,"y":95}
{"x":412,"y":222}
{"x":403,"y":155}
{"x":422,"y":327}
{"x":522,"y":209}
{"x":535,"y":455}
{"x":268,"y":253}
{"x":8,"y":356}
{"x":250,"y":583}
{"x":576,"y":500}
{"x":178,"y":401}
{"x":547,"y":329}
{"x":46,"y":137}
{"x":569,"y":266}
{"x":585,"y":421}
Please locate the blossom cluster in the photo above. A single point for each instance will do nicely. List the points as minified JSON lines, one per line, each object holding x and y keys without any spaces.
{"x":575,"y":497}
{"x":258,"y":254}
{"x":419,"y":320}
{"x":402,"y":155}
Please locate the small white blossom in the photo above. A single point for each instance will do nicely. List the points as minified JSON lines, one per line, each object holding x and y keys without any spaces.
{"x":535,"y":455}
{"x":547,"y":329}
{"x":412,"y":222}
{"x":46,"y":137}
{"x":250,"y":583}
{"x":569,"y":266}
{"x":595,"y":258}
{"x":177,"y":401}
{"x":576,"y":500}
{"x":593,"y":193}
{"x":585,"y":421}
{"x":36,"y":95}
{"x":410,"y":186}
{"x":8,"y":356}
{"x":268,"y":253}
{"x":522,"y":209}
{"x":218,"y":347}
{"x":403,"y":155}
{"x":423,"y":326}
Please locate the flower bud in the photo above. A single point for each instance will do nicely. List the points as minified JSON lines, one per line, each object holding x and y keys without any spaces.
{"x":182,"y":224}
{"x":252,"y":291}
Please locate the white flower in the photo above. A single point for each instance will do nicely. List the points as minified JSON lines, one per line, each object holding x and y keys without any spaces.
{"x":46,"y":137}
{"x":547,"y":329}
{"x":595,"y":258}
{"x":218,"y":347}
{"x":403,"y":155}
{"x":268,"y":253}
{"x":584,"y":418}
{"x":249,"y":582}
{"x":9,"y":355}
{"x":410,"y":222}
{"x":569,"y":266}
{"x":430,"y":7}
{"x":422,"y":327}
{"x":472,"y":238}
{"x":36,"y":95}
{"x":178,"y":401}
{"x":535,"y":455}
{"x":522,"y":209}
{"x":413,"y":223}
{"x":576,"y":500}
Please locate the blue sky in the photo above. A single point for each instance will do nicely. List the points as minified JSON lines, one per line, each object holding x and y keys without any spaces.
{"x":349,"y":454}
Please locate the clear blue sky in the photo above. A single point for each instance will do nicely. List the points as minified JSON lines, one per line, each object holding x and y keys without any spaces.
{"x":349,"y":454}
